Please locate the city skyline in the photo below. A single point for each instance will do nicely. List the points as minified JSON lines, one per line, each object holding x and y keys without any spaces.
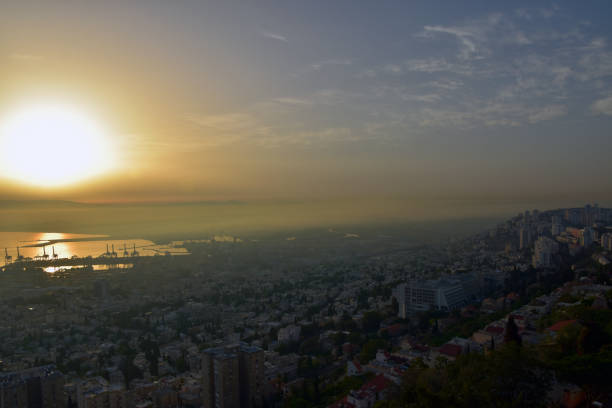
{"x":323,"y":101}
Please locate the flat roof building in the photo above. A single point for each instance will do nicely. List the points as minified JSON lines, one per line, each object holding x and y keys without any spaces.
{"x":34,"y":387}
{"x":422,"y":295}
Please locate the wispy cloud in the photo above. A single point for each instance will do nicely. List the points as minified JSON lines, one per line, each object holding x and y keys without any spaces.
{"x":547,"y":113}
{"x":257,"y":129}
{"x":444,"y":83}
{"x":509,"y":73}
{"x":466,"y":38}
{"x":429,"y":65}
{"x":309,"y":138}
{"x":497,"y":71}
{"x":603,"y":106}
{"x":319,"y":66}
{"x":223,"y":129}
{"x":275,"y":36}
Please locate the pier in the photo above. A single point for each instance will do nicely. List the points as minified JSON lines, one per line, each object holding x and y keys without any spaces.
{"x":87,"y":261}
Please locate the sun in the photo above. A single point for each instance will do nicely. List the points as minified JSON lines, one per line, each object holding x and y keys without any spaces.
{"x":52,"y":144}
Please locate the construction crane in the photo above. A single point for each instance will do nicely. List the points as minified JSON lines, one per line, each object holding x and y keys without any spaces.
{"x":19,"y":257}
{"x":44,"y":255}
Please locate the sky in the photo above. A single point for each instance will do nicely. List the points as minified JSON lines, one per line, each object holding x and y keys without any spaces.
{"x":311,"y":100}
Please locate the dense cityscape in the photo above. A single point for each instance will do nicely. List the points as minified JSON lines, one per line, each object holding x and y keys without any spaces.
{"x":247,"y":323}
{"x":305,"y":203}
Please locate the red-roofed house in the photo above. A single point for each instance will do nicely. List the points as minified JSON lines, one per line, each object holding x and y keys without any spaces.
{"x":374,"y":390}
{"x":557,"y":327}
{"x":448,"y":351}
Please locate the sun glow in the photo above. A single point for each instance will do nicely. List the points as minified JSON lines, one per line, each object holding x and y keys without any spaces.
{"x":52,"y":144}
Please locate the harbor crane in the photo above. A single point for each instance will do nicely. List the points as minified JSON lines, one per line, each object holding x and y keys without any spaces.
{"x":19,"y":256}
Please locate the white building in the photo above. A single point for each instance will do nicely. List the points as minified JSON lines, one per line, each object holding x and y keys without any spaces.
{"x":544,"y":249}
{"x":421,"y":295}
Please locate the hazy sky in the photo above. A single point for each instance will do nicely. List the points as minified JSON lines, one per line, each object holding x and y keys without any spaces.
{"x":317,"y":99}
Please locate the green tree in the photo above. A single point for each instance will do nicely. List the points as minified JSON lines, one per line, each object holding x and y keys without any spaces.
{"x":591,"y":372}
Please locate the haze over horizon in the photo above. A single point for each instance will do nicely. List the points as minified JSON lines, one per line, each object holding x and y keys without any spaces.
{"x":310,"y":101}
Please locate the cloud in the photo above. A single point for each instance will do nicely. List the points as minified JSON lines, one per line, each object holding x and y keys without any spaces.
{"x":466,"y":38}
{"x":523,"y":13}
{"x":319,"y":65}
{"x":224,"y":123}
{"x":393,"y":68}
{"x":448,"y":84}
{"x":547,"y":113}
{"x":223,"y":129}
{"x":519,"y":38}
{"x":603,"y":106}
{"x":549,"y":12}
{"x":429,"y":65}
{"x":497,"y":71}
{"x":275,"y":36}
{"x":261,"y":126}
{"x":321,"y":137}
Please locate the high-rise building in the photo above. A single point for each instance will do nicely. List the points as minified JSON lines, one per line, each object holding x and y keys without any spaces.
{"x":524,"y":237}
{"x":586,"y":236}
{"x":421,"y":295}
{"x":543,"y":252}
{"x":556,"y":227}
{"x":232,"y":377}
{"x":573,"y":216}
{"x":220,"y":379}
{"x":251,"y":366}
{"x":36,"y":387}
{"x":606,"y":241}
